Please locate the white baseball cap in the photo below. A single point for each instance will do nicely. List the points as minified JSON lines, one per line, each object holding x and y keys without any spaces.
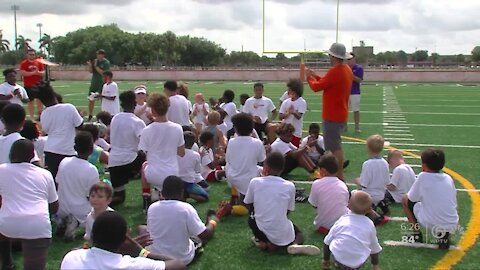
{"x":140,"y":90}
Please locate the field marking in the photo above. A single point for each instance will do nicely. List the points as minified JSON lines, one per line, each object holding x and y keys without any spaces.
{"x":399,"y":134}
{"x":417,"y":245}
{"x":401,"y":219}
{"x":472,"y":232}
{"x":389,"y":113}
{"x":428,"y":145}
{"x":399,"y":139}
{"x":399,"y":125}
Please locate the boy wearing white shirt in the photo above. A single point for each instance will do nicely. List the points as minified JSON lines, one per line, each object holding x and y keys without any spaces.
{"x":353,"y":238}
{"x":269,"y":199}
{"x":75,"y":177}
{"x":10,"y":90}
{"x":375,"y":174}
{"x":315,"y":141}
{"x":293,"y":109}
{"x":125,"y":160}
{"x":109,"y":95}
{"x":59,"y":121}
{"x":432,"y":200}
{"x":99,"y":196}
{"x":109,"y":237}
{"x":402,"y":177}
{"x":28,"y":198}
{"x":227,"y":110}
{"x":172,"y":222}
{"x":210,"y":170}
{"x":243,"y":100}
{"x":179,"y":110}
{"x":189,"y":168}
{"x":329,"y":195}
{"x":259,"y":107}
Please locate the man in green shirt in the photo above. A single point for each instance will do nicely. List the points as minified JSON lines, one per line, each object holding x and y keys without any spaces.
{"x":96,"y":67}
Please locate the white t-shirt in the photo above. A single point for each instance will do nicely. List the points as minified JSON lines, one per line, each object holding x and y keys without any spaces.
{"x":352,"y":240}
{"x":95,"y":258}
{"x":142,"y":112}
{"x":231,"y":109}
{"x":171,"y":223}
{"x":242,"y":165}
{"x":299,"y":105}
{"x":284,"y":96}
{"x":26,"y":192}
{"x":201,"y":111}
{"x":8,"y":89}
{"x":260,"y":107}
{"x":125,"y":131}
{"x":59,"y":122}
{"x":436,"y":199}
{"x":189,"y":166}
{"x":312,"y":152}
{"x":75,"y":177}
{"x":272,"y":198}
{"x":2,"y":127}
{"x":330,"y":197}
{"x":6,"y":143}
{"x":282,"y":147}
{"x":206,"y":157}
{"x":39,"y":144}
{"x":111,"y":106}
{"x":100,"y":142}
{"x":403,"y":178}
{"x":89,"y":223}
{"x":179,"y":110}
{"x":374,"y":178}
{"x":160,"y":142}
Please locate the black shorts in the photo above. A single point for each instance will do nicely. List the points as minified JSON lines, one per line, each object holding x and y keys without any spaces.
{"x":290,"y":164}
{"x":260,"y":129}
{"x":411,"y":205}
{"x":52,"y":161}
{"x":32,"y":93}
{"x":120,"y":175}
{"x":261,"y":235}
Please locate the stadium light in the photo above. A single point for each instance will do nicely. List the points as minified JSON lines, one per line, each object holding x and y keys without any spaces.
{"x":15,"y":8}
{"x":39,"y":25}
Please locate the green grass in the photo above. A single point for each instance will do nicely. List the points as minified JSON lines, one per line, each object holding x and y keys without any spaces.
{"x":231,"y":248}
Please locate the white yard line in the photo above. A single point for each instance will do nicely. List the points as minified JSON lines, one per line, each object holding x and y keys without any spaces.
{"x":415,"y":245}
{"x":354,"y":185}
{"x":425,"y":145}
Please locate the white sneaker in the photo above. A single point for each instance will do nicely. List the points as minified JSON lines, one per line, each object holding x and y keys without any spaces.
{"x":303,"y":250}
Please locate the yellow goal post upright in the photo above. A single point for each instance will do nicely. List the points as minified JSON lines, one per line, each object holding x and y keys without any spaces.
{"x":303,"y":52}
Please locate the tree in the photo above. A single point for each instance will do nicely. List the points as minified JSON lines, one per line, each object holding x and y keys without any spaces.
{"x":23,"y":43}
{"x":46,"y":43}
{"x":402,"y":58}
{"x":476,"y":54}
{"x":420,"y":55}
{"x":435,"y":58}
{"x":4,"y":44}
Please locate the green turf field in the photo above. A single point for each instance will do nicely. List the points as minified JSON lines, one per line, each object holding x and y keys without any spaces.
{"x":410,"y":116}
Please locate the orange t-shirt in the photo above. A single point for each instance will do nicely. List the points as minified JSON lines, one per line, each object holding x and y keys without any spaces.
{"x":29,"y":66}
{"x":336,"y":85}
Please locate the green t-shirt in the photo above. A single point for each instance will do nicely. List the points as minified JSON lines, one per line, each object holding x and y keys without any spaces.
{"x":96,"y":83}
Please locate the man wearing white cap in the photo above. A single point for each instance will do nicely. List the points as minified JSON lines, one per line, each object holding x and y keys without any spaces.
{"x":142,"y":111}
{"x":336,"y":85}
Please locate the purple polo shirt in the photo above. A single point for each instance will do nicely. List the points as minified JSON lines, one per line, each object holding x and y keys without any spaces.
{"x":357,"y":71}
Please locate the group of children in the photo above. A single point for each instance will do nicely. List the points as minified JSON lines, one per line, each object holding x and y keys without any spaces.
{"x":177,"y":148}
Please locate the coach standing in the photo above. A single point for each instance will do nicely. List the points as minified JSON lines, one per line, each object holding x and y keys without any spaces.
{"x":355,"y":93}
{"x":99,"y":65}
{"x":336,"y":85}
{"x":32,"y":71}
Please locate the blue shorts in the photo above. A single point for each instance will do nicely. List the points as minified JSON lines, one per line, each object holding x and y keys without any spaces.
{"x":192,"y":188}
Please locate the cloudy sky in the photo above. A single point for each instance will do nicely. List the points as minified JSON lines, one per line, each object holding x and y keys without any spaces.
{"x":443,"y":26}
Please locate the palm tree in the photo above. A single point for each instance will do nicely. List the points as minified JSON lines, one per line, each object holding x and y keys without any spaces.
{"x":4,"y":44}
{"x":46,"y":43}
{"x":23,"y":43}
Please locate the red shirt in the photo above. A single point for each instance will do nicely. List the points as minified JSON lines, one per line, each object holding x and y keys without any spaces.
{"x":336,"y":85}
{"x":29,"y":66}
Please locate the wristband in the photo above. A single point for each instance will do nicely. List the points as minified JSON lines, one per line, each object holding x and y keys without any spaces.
{"x":144,"y":253}
{"x":213,"y":223}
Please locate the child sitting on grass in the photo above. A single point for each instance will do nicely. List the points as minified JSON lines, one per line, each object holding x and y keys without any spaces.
{"x":100,"y":196}
{"x":329,"y":195}
{"x":243,"y":99}
{"x":402,"y":177}
{"x":189,"y":167}
{"x":315,"y":142}
{"x":432,"y":200}
{"x":269,"y":199}
{"x":294,"y":157}
{"x":211,"y":171}
{"x":375,"y":176}
{"x":353,"y":238}
{"x":219,"y":139}
{"x":99,"y":157}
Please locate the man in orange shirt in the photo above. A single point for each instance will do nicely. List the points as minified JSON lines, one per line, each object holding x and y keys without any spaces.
{"x":336,"y":85}
{"x":32,"y":71}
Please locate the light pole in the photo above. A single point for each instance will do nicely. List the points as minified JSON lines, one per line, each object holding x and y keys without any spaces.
{"x":39,"y":25}
{"x":15,"y":8}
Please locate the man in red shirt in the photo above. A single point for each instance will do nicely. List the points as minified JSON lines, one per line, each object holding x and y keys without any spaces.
{"x":32,"y":72}
{"x":336,"y":85}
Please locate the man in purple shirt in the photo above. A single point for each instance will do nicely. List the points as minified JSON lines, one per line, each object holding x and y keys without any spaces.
{"x":355,"y":92}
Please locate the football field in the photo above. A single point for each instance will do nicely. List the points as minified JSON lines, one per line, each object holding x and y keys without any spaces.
{"x":411,"y":117}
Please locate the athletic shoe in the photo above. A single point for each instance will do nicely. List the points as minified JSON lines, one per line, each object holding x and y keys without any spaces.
{"x":382,"y":221}
{"x":383,"y":204}
{"x":224,"y":209}
{"x":71,"y":228}
{"x":204,"y":185}
{"x":444,"y":242}
{"x":310,"y":250}
{"x":300,"y":196}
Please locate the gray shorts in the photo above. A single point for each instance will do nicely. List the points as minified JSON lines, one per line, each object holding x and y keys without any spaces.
{"x":332,"y":132}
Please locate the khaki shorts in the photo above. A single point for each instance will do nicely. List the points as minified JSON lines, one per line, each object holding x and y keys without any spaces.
{"x":332,"y":135}
{"x":354,"y":103}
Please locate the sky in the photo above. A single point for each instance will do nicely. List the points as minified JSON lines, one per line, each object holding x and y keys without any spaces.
{"x":442,"y":26}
